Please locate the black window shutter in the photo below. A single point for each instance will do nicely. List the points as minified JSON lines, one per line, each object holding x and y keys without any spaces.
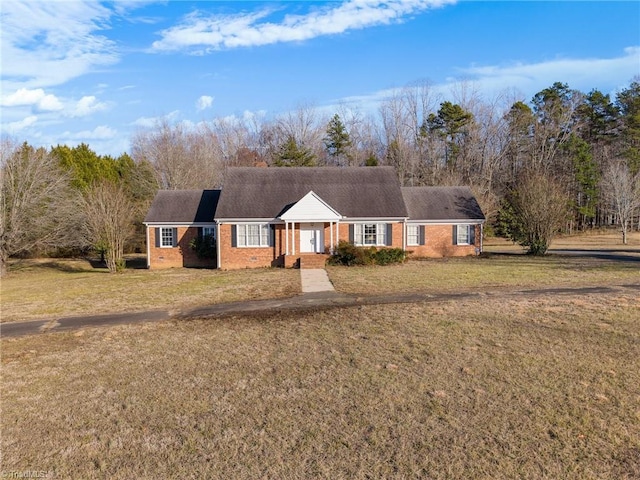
{"x":200,"y":233}
{"x":472,"y":234}
{"x":158,"y":234}
{"x":175,"y":237}
{"x":272,"y":235}
{"x":421,"y":236}
{"x":234,"y":236}
{"x":455,"y":235}
{"x":389,"y":234}
{"x":352,"y":233}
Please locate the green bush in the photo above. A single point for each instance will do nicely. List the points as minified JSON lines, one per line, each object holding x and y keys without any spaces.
{"x":348,"y":254}
{"x":205,"y":247}
{"x":387,"y":256}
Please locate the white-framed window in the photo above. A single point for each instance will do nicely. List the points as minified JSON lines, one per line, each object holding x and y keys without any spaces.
{"x":464,"y":235}
{"x":370,"y":234}
{"x":253,"y":235}
{"x":209,"y":231}
{"x":413,"y":235}
{"x":167,"y":237}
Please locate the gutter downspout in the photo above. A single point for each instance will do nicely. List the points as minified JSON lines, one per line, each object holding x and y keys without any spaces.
{"x":218,"y":255}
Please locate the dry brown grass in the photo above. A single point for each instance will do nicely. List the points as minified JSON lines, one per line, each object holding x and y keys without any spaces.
{"x":609,"y":239}
{"x":530,"y":388}
{"x":491,"y":272}
{"x":57,"y":288}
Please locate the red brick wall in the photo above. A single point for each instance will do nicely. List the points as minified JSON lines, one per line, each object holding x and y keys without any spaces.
{"x":178,"y":256}
{"x":396,"y":234}
{"x":246,"y":257}
{"x":439,"y":243}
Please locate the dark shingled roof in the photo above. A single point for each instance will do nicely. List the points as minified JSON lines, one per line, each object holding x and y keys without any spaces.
{"x":354,"y":192}
{"x":183,"y":206}
{"x":441,"y":203}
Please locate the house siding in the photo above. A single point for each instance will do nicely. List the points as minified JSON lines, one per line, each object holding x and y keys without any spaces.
{"x":179,"y":256}
{"x":439,"y":243}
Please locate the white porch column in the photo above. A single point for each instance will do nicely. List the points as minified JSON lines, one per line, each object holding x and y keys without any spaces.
{"x":286,"y":238}
{"x":293,"y":237}
{"x":331,"y":239}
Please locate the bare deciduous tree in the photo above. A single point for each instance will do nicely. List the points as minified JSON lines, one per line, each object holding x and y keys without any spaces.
{"x":108,"y":220}
{"x":34,"y":192}
{"x":182,"y":157}
{"x":621,"y":191}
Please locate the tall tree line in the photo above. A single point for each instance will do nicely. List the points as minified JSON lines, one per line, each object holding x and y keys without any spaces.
{"x":579,"y":150}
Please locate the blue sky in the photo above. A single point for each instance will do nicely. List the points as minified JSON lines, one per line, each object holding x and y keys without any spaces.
{"x":97,"y":72}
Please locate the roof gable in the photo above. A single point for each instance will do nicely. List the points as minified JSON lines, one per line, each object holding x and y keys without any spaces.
{"x":310,"y":208}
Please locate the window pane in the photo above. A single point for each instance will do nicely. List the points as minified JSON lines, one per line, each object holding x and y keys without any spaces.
{"x":241,"y":233}
{"x":370,"y":231}
{"x":264,"y":235}
{"x":463,"y":234}
{"x":253,"y":235}
{"x":208,"y":231}
{"x":166,"y":235}
{"x":413,"y":233}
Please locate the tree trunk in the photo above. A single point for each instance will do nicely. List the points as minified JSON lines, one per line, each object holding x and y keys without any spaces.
{"x":4,"y":265}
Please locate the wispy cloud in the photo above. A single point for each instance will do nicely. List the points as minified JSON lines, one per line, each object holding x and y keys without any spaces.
{"x":199,"y":33}
{"x":13,"y":128}
{"x":525,"y":79}
{"x":149,"y":122}
{"x":101,"y":132}
{"x":48,"y":43}
{"x":580,"y":73}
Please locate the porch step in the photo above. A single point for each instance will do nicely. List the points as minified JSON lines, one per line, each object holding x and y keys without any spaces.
{"x":313,"y":260}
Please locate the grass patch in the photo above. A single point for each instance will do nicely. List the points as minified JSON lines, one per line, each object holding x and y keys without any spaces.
{"x":523,"y":388}
{"x":56,"y":288}
{"x":492,"y":271}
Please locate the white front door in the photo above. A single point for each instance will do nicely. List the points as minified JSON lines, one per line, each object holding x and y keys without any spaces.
{"x":311,"y":238}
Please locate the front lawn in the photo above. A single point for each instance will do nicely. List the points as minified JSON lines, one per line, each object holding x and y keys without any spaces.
{"x":61,"y":287}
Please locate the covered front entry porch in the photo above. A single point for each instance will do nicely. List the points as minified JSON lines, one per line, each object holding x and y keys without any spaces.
{"x":311,"y":229}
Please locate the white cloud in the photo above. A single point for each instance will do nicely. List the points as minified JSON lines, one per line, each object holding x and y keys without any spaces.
{"x":101,"y":132}
{"x":204,"y":102}
{"x":15,"y":127}
{"x":200,"y":33}
{"x":87,"y":105}
{"x":150,"y":122}
{"x":49,"y":43}
{"x":524,"y":79}
{"x":579,"y":73}
{"x":36,"y":98}
{"x":50,"y":103}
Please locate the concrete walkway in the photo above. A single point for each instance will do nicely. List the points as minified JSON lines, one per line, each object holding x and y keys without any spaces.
{"x":315,"y":280}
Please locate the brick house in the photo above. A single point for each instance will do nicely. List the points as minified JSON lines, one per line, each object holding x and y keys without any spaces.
{"x":288,"y":217}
